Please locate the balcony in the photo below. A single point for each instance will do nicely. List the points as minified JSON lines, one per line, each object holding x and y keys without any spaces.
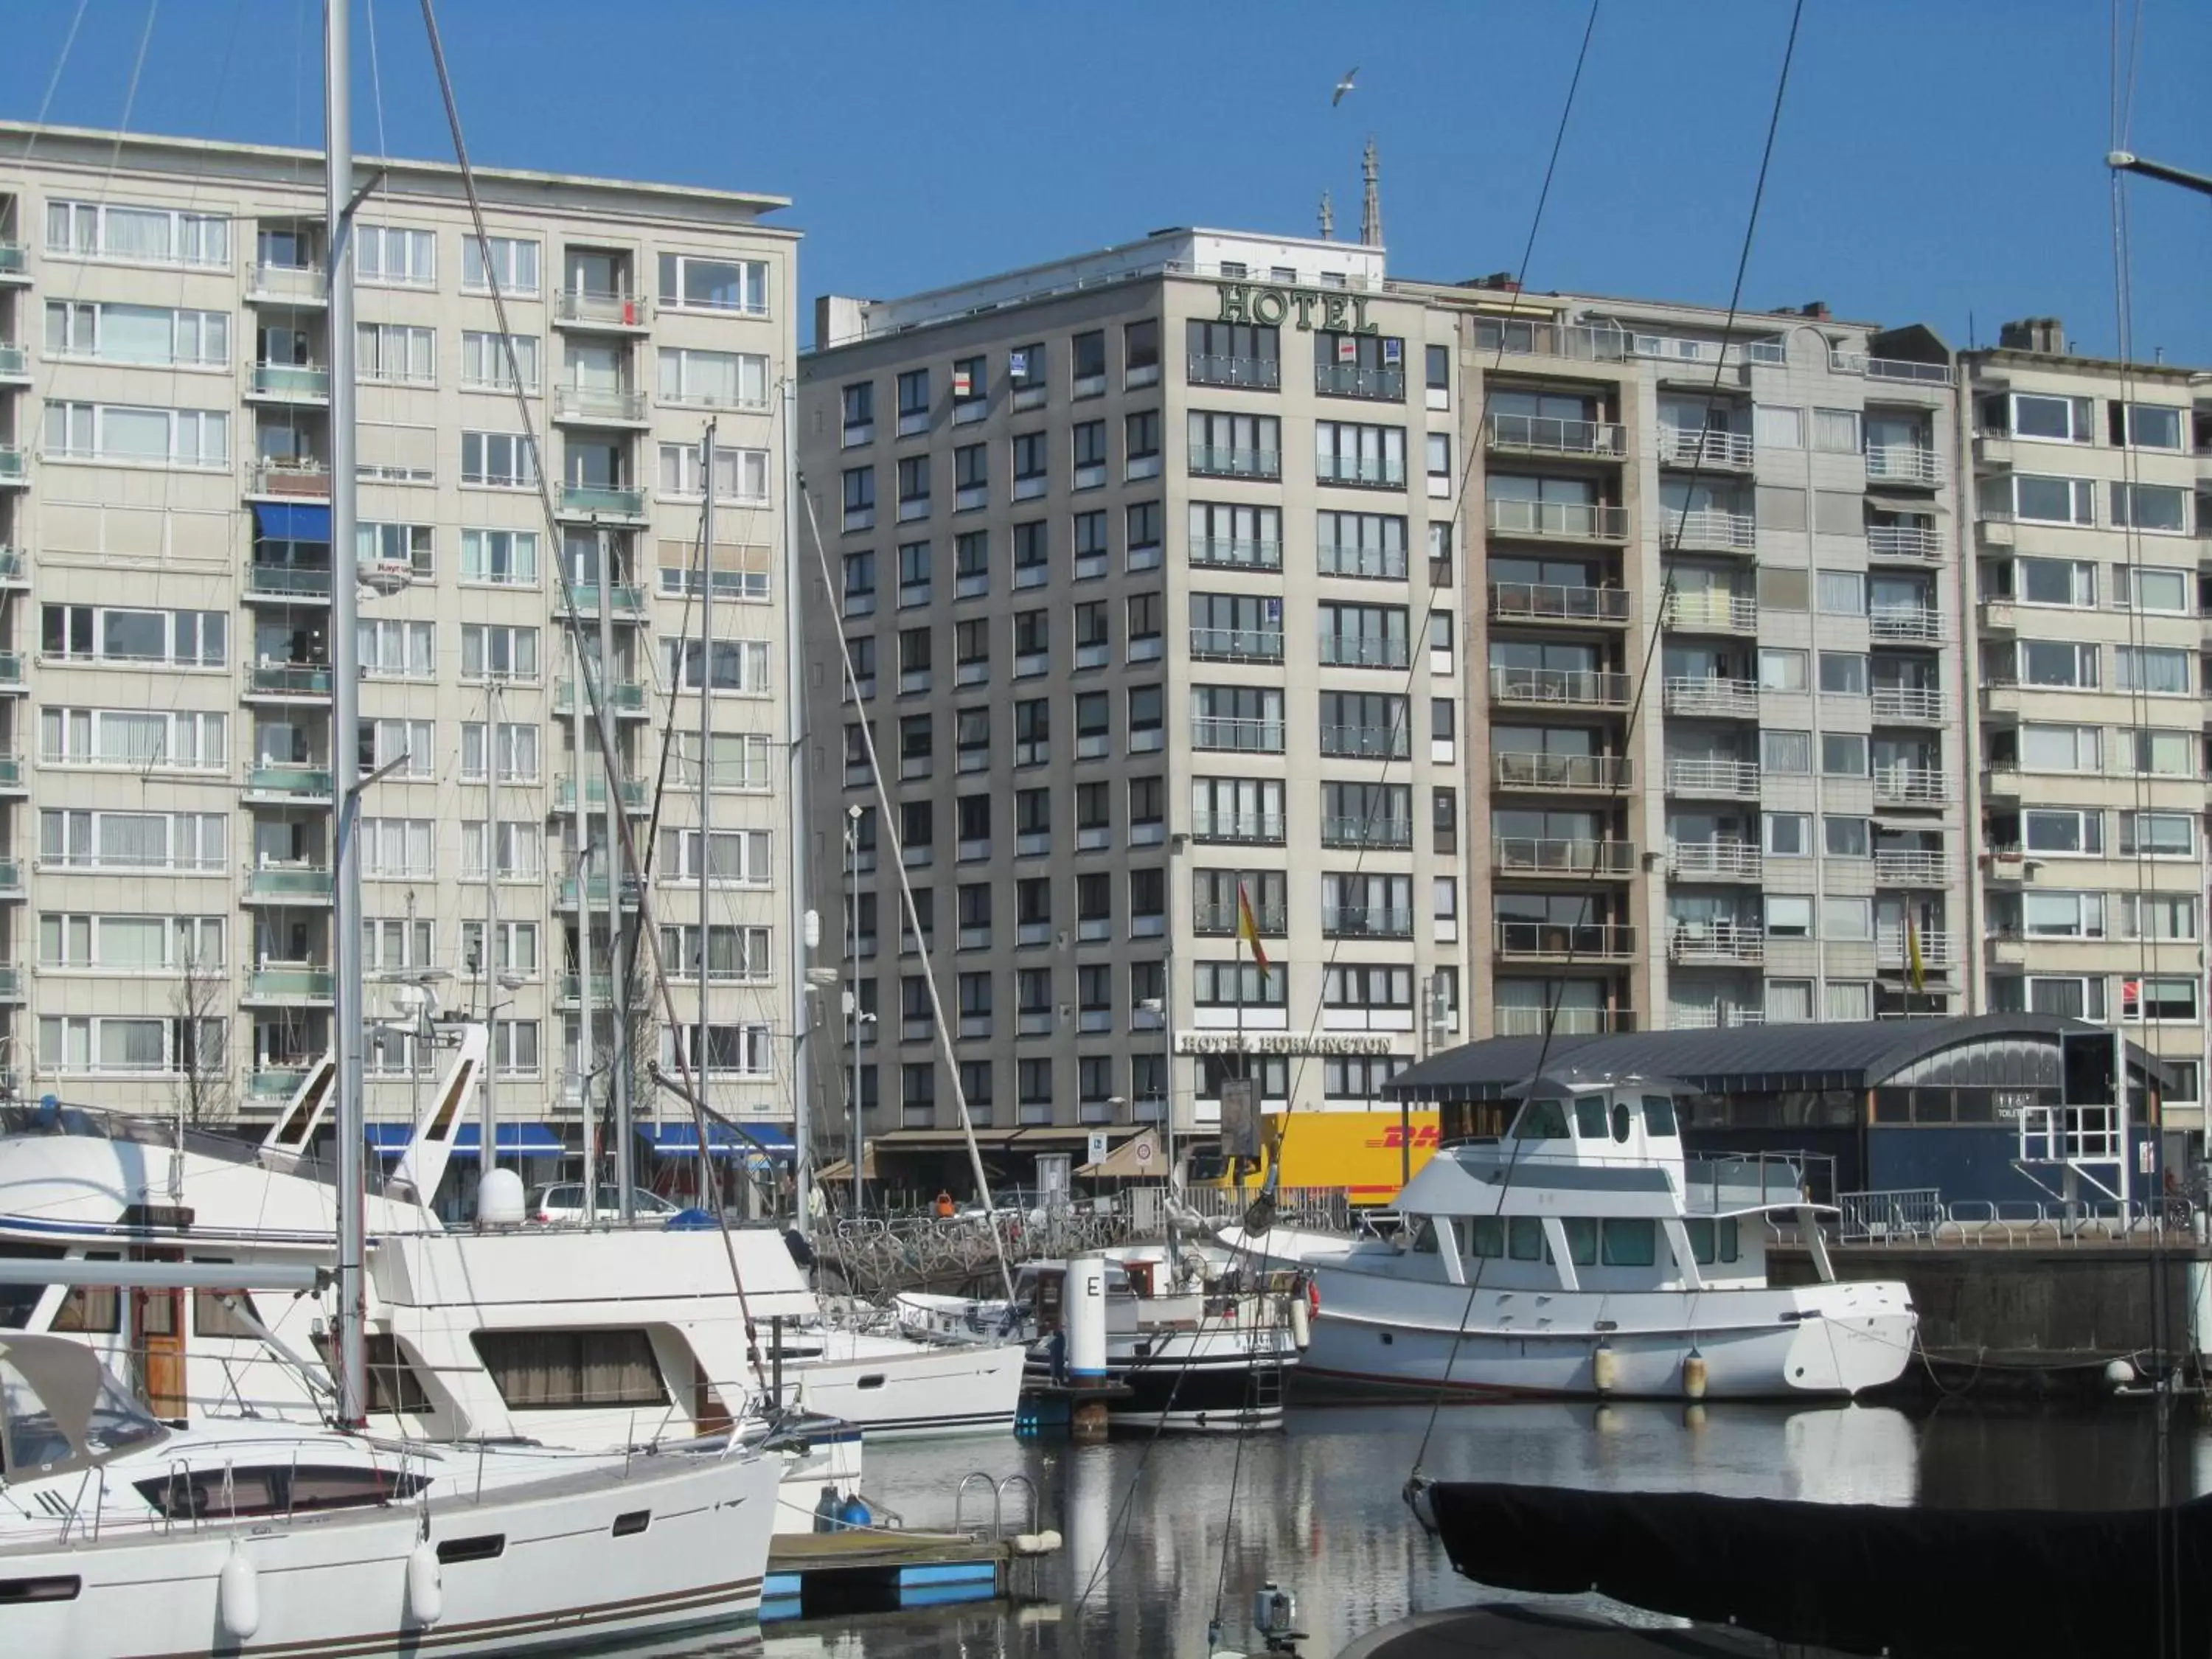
{"x":1229,"y":553}
{"x":1244,"y":737}
{"x":1907,"y":541}
{"x":1904,"y":464}
{"x":1910,"y":785}
{"x":1557,"y":521}
{"x":1718,"y":943}
{"x":286,"y":883}
{"x":590,"y":405}
{"x":635,"y":797}
{"x":1898,"y":371}
{"x":1251,"y":828}
{"x":15,"y":568}
{"x":1912,"y":704}
{"x":2006,"y":864}
{"x":595,"y":894}
{"x":288,"y":481}
{"x":11,"y":879}
{"x":582,"y":310}
{"x":1894,"y":947}
{"x":289,"y":982}
{"x":289,"y":682}
{"x":1913,"y":624}
{"x":627,"y":698}
{"x":1550,"y":941}
{"x":1361,"y":471}
{"x":1711,"y":611}
{"x":289,"y":285}
{"x":1352,"y":380}
{"x":602,"y":502}
{"x":1713,"y":1016}
{"x":1365,"y":743}
{"x":11,"y":673}
{"x":1560,"y":687}
{"x":289,"y":584}
{"x":2002,"y":783}
{"x":570,"y":991}
{"x":1363,"y":651}
{"x":1546,"y":434}
{"x":1210,"y":461}
{"x":1706,"y":530}
{"x":1380,"y":564}
{"x":1272,"y":919}
{"x":2007,"y":949}
{"x":1715,"y":860}
{"x":274,"y":1082}
{"x":1248,"y":374}
{"x":1712,"y":698}
{"x":14,"y":365}
{"x":1909,"y":867}
{"x":628,"y":600}
{"x":14,"y":473}
{"x":1353,"y":832}
{"x":1728,"y":780}
{"x":1366,"y":921}
{"x":14,"y":265}
{"x":12,"y":781}
{"x":1568,"y":859}
{"x":11,"y":990}
{"x":1563,"y":774}
{"x":1520,"y":1020}
{"x":1543,"y":602}
{"x":289,"y":785}
{"x":289,"y":383}
{"x":1237,"y":645}
{"x":1705,"y":450}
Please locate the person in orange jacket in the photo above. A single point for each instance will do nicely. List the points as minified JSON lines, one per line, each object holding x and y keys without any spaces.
{"x":945,"y":1209}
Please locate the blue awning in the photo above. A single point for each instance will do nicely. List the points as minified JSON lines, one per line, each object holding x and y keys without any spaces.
{"x":515,"y":1139}
{"x":682,"y":1140}
{"x":291,"y":522}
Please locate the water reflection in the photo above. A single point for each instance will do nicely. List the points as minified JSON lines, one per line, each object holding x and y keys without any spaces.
{"x":1317,"y":1508}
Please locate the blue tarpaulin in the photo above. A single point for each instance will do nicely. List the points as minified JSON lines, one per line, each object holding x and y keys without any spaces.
{"x":682,"y":1139}
{"x":291,"y":522}
{"x":515,"y":1139}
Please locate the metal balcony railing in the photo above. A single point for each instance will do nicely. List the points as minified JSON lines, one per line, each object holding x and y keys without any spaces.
{"x":1573,"y":521}
{"x":1723,"y":699}
{"x":1712,"y":1016}
{"x":1213,"y":461}
{"x":1736,"y":779}
{"x":588,"y":403}
{"x":1382,"y":472}
{"x":1352,"y":830}
{"x":1253,"y":827}
{"x":1705,"y":449}
{"x":1252,"y":737}
{"x":1532,"y":855}
{"x":1548,"y":434}
{"x":1712,"y":610}
{"x":305,"y":382}
{"x":1366,"y":921}
{"x":577,"y":305}
{"x":1596,"y":773}
{"x":1916,"y":623}
{"x":1370,"y":563}
{"x":1570,"y":687}
{"x":1906,"y":463}
{"x":1914,"y":867}
{"x":1354,"y":380}
{"x":1900,"y":541}
{"x":1739,"y":860}
{"x":1237,"y":644}
{"x":1365,"y":742}
{"x":1548,"y":602}
{"x":1212,"y":918}
{"x":1232,"y":553}
{"x":1555,"y":941}
{"x":1575,"y":341}
{"x":1253,"y":374}
{"x":1892,"y":947}
{"x":1518,"y":1019}
{"x":1707,"y":528}
{"x":1888,"y":368}
{"x":1911,"y":785}
{"x":1363,"y":651}
{"x":1720,"y":942}
{"x":1905,"y":703}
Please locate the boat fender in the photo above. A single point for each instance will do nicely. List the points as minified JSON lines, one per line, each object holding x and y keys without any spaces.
{"x":1694,"y":1375}
{"x":1301,"y":1329}
{"x":856,"y":1513}
{"x":237,"y":1597}
{"x":1048,"y":1540}
{"x":426,"y":1584}
{"x":825,"y":1510}
{"x":1605,"y":1367}
{"x":1027,"y":1543}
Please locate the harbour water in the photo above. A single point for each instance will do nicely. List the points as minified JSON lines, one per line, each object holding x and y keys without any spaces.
{"x":1317,"y":1508}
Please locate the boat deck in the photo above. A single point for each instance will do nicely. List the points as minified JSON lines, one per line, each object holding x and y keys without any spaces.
{"x":879,"y":1570}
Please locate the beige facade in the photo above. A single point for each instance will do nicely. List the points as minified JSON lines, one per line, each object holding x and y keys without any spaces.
{"x":1512,"y":651}
{"x":2091,"y":704}
{"x":164,"y":435}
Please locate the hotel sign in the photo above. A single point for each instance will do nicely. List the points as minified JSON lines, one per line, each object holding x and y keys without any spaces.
{"x":1302,"y":1044}
{"x":1268,"y":306}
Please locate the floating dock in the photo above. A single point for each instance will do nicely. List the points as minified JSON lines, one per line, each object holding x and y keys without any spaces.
{"x":879,"y":1569}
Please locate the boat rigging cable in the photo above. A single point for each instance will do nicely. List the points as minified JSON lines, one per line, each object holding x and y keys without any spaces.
{"x":591,"y":678}
{"x":887,"y":827}
{"x":1636,"y":707}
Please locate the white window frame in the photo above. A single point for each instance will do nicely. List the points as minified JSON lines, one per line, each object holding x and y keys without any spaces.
{"x":201,"y":239}
{"x":378,"y":346}
{"x":511,"y":449}
{"x":484,"y":364}
{"x":416,"y":265}
{"x":752,"y":282}
{"x":84,"y":436}
{"x":397,"y":649}
{"x":751,"y":378}
{"x":740,"y":475}
{"x":202,"y":736}
{"x":510,"y":255}
{"x":484,"y":551}
{"x":512,"y":635}
{"x":206,"y":333}
{"x":189,"y":845}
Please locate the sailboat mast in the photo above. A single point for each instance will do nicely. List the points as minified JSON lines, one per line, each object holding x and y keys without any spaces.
{"x":346,"y":1012}
{"x":702,"y":1057}
{"x":795,"y":689}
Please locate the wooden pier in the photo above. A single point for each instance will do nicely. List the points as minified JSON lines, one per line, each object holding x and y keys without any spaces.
{"x":880,"y":1570}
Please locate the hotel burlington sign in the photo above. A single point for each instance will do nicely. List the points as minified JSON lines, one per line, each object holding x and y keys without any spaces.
{"x":1298,"y":1043}
{"x":1268,"y":306}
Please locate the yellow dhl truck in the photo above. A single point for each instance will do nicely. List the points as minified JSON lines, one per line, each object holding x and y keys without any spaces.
{"x":1366,"y":1153}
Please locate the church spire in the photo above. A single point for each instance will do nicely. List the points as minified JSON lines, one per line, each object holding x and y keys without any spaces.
{"x":1370,"y":206}
{"x":1327,"y":217}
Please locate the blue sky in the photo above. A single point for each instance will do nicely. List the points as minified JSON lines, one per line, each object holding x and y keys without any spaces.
{"x":1936,"y":162}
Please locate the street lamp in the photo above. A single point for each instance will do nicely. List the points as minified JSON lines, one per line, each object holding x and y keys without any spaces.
{"x":2122,"y":161}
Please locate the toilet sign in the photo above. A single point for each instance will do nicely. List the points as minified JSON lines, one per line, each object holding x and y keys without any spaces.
{"x":1097,"y":1146}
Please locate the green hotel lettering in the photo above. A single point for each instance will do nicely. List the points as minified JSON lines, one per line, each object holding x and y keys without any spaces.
{"x":1340,"y":313}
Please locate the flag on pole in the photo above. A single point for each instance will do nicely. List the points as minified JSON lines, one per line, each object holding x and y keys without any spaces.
{"x":1913,"y":960}
{"x":1247,"y":929}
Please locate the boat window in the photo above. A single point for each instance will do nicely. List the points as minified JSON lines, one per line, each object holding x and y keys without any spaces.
{"x":1486,"y":1235}
{"x":225,"y":1313}
{"x":1702,"y":1239}
{"x":1582,"y":1240}
{"x":279,"y":1489}
{"x":1542,"y":1120}
{"x":1589,"y":1117}
{"x":1620,"y":1121}
{"x":392,"y":1385}
{"x":1629,"y":1241}
{"x":19,"y":1302}
{"x":34,"y":1438}
{"x":1424,"y":1237}
{"x":1659,"y":1115}
{"x":488,"y":1547}
{"x":630,"y":1522}
{"x":91,"y":1309}
{"x":1524,"y":1238}
{"x":548,"y":1370}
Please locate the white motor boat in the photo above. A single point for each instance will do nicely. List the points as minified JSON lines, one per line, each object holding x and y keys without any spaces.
{"x":1584,"y":1254}
{"x":1190,"y":1343}
{"x":120,"y":1536}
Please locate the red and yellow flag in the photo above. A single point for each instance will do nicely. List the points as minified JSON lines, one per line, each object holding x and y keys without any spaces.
{"x":1247,"y":929}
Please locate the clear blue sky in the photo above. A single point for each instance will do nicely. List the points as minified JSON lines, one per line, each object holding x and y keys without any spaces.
{"x":1935,"y":160}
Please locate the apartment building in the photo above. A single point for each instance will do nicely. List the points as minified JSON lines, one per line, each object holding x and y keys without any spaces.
{"x":165,"y":893}
{"x":1604,"y":658}
{"x":2088,"y":520}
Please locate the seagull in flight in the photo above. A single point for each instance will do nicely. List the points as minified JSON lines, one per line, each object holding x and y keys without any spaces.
{"x":1344,"y":85}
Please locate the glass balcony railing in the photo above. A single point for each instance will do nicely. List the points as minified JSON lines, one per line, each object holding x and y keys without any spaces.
{"x":298,"y":782}
{"x":288,"y":581}
{"x":633,"y":794}
{"x":292,"y":679}
{"x":304,"y":382}
{"x":288,"y":882}
{"x":623,"y":696}
{"x":297,"y":982}
{"x":601,"y":501}
{"x":15,"y":362}
{"x":628,"y":600}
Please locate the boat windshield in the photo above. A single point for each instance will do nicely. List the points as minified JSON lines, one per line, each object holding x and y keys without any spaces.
{"x":59,"y":1410}
{"x":1542,"y":1120}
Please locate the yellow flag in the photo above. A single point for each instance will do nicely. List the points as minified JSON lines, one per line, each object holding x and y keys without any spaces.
{"x":1913,"y":956}
{"x":1247,"y":929}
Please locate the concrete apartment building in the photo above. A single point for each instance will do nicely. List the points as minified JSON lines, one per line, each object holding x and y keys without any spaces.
{"x":168,"y":816}
{"x":1120,"y":645}
{"x":2088,"y":518}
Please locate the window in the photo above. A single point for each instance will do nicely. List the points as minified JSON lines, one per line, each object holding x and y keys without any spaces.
{"x":1370,"y":724}
{"x":2171,"y":999}
{"x":513,"y":266}
{"x":1219,"y":984}
{"x":971,"y":477}
{"x":695,"y":283}
{"x":736,"y":858}
{"x":971,"y":389}
{"x":490,"y":361}
{"x":2159,"y":916}
{"x":913,"y":402}
{"x":396,"y":354}
{"x":498,"y":652}
{"x":1032,"y":463}
{"x":717,"y":380}
{"x":93,"y":1043}
{"x":2055,"y":663}
{"x":499,"y":461}
{"x":154,"y":335}
{"x":118,"y":434}
{"x":2054,"y":831}
{"x":1790,"y":915}
{"x":1032,"y":731}
{"x":1349,"y":453}
{"x":1088,"y":454}
{"x":392,"y":256}
{"x":2151,"y":669}
{"x":2042,"y":500}
{"x":1232,"y":354}
{"x":1361,"y":1078}
{"x":410,"y":744}
{"x":2061,"y":747}
{"x":1786,"y":753}
{"x":1032,"y":552}
{"x":392,"y":649}
{"x":1837,"y":431}
{"x":1361,"y":545}
{"x":1777,"y":426}
{"x":142,"y":235}
{"x":2062,"y":420}
{"x":136,"y":738}
{"x":2145,"y":426}
{"x":1847,"y":838}
{"x":913,"y":488}
{"x":1246,"y":445}
{"x":520,"y":846}
{"x":735,"y":665}
{"x":1232,"y":717}
{"x":504,"y":558}
{"x":398,"y":847}
{"x":2158,"y":835}
{"x":2150,"y":507}
{"x":83,"y":840}
{"x":513,"y":744}
{"x":1026,"y":373}
{"x":2056,"y":581}
{"x":1781,"y":669}
{"x":1842,"y":593}
{"x":127,"y":944}
{"x":1846,"y":917}
{"x":742,"y":1049}
{"x":1089,"y":351}
{"x":86,"y":632}
{"x":1437,"y":367}
{"x":859,"y":498}
{"x":1844,"y":753}
{"x":2044,"y":914}
{"x":1140,"y":353}
{"x":2141,"y":588}
{"x":1788,"y":835}
{"x":1843,"y":674}
{"x":740,"y":475}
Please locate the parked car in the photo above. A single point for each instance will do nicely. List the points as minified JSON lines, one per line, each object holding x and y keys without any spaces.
{"x":564,"y":1202}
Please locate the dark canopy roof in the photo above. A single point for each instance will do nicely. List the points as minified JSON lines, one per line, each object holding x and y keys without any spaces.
{"x":1739,"y":1060}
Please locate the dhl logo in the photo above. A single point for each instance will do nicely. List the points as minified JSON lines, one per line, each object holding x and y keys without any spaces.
{"x":1394,"y":1138}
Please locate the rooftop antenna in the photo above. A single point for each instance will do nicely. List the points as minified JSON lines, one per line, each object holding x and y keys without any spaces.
{"x":1370,"y":204}
{"x":1327,"y":217}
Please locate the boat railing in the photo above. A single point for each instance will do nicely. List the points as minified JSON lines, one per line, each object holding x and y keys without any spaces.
{"x":1742,"y":1180}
